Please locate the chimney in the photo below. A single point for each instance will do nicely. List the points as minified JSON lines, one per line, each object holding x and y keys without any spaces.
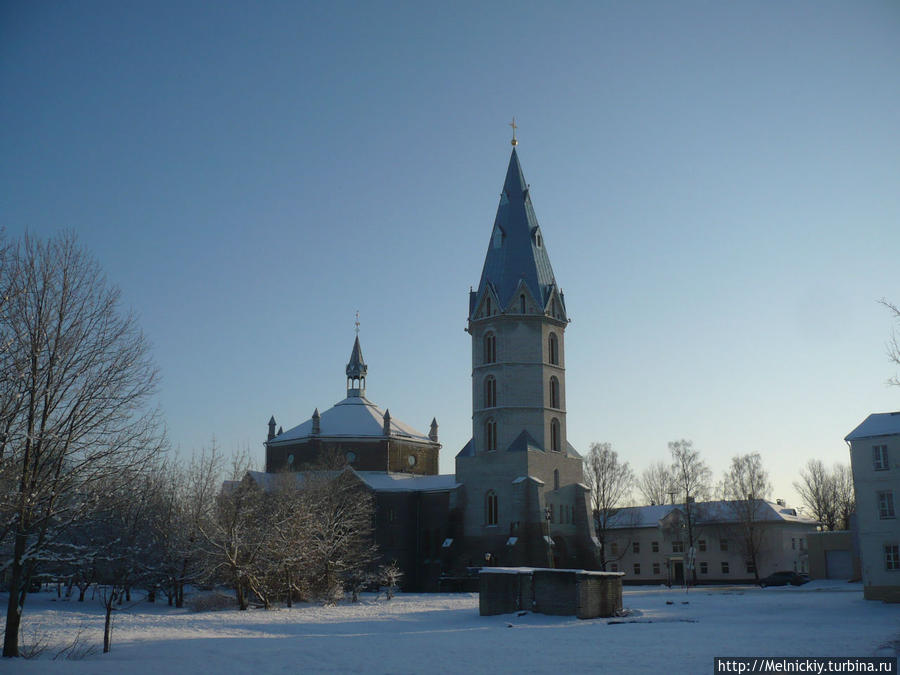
{"x":315,"y":420}
{"x":271,"y":428}
{"x":387,"y":422}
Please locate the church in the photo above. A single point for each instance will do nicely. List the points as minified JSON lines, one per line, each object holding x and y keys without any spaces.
{"x":517,"y":497}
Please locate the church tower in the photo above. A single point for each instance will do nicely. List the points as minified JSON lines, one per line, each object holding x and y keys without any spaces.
{"x":525,"y":501}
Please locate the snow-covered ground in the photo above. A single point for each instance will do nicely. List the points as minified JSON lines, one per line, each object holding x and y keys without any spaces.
{"x":667,"y":631}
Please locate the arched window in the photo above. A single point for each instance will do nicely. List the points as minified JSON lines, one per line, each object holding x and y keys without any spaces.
{"x":554,"y":393}
{"x":556,"y":479}
{"x":554,"y":435}
{"x":522,"y":303}
{"x":490,"y":508}
{"x":490,"y":435}
{"x":487,"y":306}
{"x":490,"y":392}
{"x":490,"y":348}
{"x":553,"y":349}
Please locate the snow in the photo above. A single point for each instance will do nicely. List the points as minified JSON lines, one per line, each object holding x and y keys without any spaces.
{"x":876,"y":424}
{"x":355,"y":416}
{"x":443,"y":632}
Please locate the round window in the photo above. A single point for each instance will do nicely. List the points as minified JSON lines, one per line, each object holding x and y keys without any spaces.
{"x":290,"y":459}
{"x":351,"y":457}
{"x":412,"y":460}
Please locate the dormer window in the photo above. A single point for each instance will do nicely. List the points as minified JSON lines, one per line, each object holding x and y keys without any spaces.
{"x":498,"y":237}
{"x":522,"y":303}
{"x":537,"y":239}
{"x":487,"y":306}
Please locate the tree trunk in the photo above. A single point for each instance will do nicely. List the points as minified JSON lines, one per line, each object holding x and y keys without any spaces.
{"x":179,"y":595}
{"x":290,"y":591}
{"x":81,"y":590}
{"x":18,"y":588}
{"x":107,"y":626}
{"x":242,"y":601}
{"x":151,"y":595}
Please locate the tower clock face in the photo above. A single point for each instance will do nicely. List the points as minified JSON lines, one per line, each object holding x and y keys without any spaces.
{"x":411,"y":460}
{"x":351,"y":457}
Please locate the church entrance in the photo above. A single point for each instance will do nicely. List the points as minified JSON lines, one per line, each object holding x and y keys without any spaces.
{"x":560,"y":554}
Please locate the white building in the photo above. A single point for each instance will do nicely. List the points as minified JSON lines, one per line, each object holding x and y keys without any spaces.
{"x":875,"y":459}
{"x":649,"y":543}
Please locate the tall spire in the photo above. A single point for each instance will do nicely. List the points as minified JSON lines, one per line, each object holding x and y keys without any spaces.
{"x":356,"y":370}
{"x":516,"y":252}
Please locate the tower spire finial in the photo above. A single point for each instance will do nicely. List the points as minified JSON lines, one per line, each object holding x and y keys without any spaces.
{"x":514,"y":127}
{"x":357,"y":322}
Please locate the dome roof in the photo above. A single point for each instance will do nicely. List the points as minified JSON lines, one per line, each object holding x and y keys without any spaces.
{"x":354,"y":417}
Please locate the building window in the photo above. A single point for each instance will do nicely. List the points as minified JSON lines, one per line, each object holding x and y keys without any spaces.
{"x":490,"y":348}
{"x":655,"y":568}
{"x":487,"y":305}
{"x":677,"y":547}
{"x":891,"y":557}
{"x":886,"y":505}
{"x":637,"y":569}
{"x":704,"y":568}
{"x":802,"y":543}
{"x":490,"y":435}
{"x":723,"y":544}
{"x":701,"y":545}
{"x":556,"y":479}
{"x":522,"y":303}
{"x":554,"y":392}
{"x":554,"y":435}
{"x":880,"y":457}
{"x":751,"y":568}
{"x":490,"y":508}
{"x":724,"y":567}
{"x":490,"y":392}
{"x":793,"y":543}
{"x":553,"y":349}
{"x":552,"y":515}
{"x":654,"y":546}
{"x":614,"y":548}
{"x":636,"y":547}
{"x":614,"y":567}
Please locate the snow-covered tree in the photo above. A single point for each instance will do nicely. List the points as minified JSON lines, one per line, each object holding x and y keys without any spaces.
{"x":656,"y":484}
{"x":746,"y":486}
{"x":77,"y":378}
{"x":692,"y":482}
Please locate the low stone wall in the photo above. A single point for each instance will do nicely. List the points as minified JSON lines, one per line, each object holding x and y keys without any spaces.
{"x":547,"y":591}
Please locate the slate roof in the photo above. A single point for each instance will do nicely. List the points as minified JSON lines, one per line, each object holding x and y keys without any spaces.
{"x":356,"y":366}
{"x":524,"y":441}
{"x":519,"y":257}
{"x":718,"y":511}
{"x":354,"y":417}
{"x":379,"y":481}
{"x":876,"y":424}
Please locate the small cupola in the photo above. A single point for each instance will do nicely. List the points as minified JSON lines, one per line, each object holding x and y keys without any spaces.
{"x":356,"y":372}
{"x":271,"y":428}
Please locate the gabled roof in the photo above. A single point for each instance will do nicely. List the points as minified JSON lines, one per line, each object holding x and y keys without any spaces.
{"x":876,"y":424}
{"x":468,"y":450}
{"x":516,"y":252}
{"x":524,"y":441}
{"x":354,"y":417}
{"x":708,"y":512}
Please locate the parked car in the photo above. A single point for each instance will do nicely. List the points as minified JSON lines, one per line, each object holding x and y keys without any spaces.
{"x":784,"y":578}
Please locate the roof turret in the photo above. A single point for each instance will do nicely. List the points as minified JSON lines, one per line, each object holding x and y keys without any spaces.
{"x":356,"y":371}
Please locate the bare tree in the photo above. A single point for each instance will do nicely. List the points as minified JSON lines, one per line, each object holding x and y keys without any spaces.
{"x":893,"y":345}
{"x":816,"y":488}
{"x":692,"y":481}
{"x":845,"y":494}
{"x":610,"y":482}
{"x":746,"y":486}
{"x":656,"y":483}
{"x":77,"y":378}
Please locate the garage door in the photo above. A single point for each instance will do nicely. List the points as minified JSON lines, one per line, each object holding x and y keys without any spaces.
{"x":838,"y":565}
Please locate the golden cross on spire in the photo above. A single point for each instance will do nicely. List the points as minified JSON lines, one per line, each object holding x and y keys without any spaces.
{"x":357,"y":322}
{"x":514,"y":127}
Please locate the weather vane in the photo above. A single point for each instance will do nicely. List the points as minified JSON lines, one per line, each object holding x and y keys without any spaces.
{"x":357,"y":322}
{"x":514,"y":127}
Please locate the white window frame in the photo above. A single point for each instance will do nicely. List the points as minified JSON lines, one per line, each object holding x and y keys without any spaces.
{"x":886,"y":505}
{"x":880,"y":458}
{"x":892,"y":557}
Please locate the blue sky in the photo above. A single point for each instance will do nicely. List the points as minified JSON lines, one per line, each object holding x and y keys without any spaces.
{"x":717,"y":184}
